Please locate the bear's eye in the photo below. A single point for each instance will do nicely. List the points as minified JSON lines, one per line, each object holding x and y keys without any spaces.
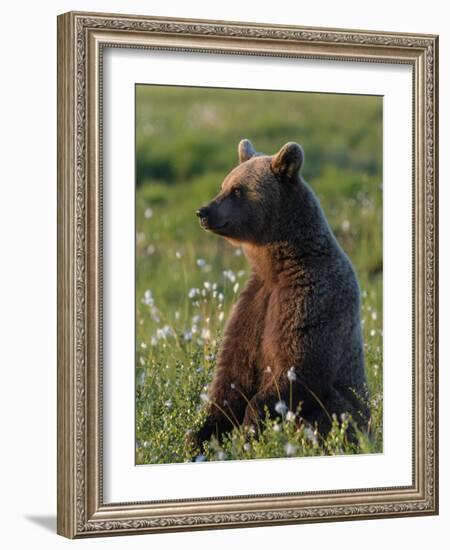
{"x":237,"y":192}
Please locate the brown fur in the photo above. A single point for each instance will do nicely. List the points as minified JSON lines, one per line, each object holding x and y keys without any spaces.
{"x":299,"y":309}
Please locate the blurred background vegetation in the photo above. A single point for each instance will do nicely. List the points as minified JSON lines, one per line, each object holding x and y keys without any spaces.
{"x":187,"y":279}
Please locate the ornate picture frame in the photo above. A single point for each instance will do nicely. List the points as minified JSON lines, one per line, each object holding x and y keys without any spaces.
{"x":82,"y":38}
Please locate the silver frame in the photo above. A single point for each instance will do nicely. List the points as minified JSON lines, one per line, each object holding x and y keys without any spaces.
{"x":81,"y":40}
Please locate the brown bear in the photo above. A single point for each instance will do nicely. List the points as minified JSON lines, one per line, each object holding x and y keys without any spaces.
{"x":294,"y":336}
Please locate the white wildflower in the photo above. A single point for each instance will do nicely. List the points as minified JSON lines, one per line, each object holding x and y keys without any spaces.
{"x":204,"y":397}
{"x":310,"y":435}
{"x":235,"y":288}
{"x":164,"y":332}
{"x":247,"y":447}
{"x":281,"y":407}
{"x":228,"y":274}
{"x":221,"y":316}
{"x":221,"y":455}
{"x":148,"y":213}
{"x":155,"y":314}
{"x":200,"y":458}
{"x":206,"y":334}
{"x":148,"y":298}
{"x":290,"y":449}
{"x":193,"y":292}
{"x":291,"y":375}
{"x":290,"y":416}
{"x":201,"y":262}
{"x":345,"y":225}
{"x":178,"y":254}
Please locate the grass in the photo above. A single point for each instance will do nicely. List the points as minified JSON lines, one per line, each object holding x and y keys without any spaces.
{"x":187,"y":280}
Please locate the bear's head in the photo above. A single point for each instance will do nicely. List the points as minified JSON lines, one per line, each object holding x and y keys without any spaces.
{"x":255,"y":196}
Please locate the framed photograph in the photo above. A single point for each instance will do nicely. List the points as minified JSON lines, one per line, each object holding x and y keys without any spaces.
{"x":247,"y":274}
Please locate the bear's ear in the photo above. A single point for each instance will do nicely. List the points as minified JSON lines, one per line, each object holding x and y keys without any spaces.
{"x":245,"y":150}
{"x":288,"y":161}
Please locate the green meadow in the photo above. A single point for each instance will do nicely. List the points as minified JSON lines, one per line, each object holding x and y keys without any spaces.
{"x":187,"y":280}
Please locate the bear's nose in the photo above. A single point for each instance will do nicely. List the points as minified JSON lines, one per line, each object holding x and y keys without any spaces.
{"x":202,"y":214}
